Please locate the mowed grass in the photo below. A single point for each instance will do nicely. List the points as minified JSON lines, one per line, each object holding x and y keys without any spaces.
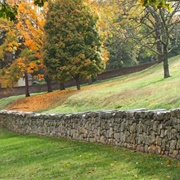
{"x":145,"y":89}
{"x":31,"y":157}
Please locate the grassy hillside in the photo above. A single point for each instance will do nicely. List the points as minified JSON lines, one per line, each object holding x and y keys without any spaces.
{"x":145,"y":89}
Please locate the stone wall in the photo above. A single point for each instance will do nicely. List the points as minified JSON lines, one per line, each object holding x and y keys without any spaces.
{"x":146,"y":131}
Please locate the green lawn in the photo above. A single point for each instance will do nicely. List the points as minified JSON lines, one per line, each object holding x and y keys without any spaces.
{"x":31,"y":157}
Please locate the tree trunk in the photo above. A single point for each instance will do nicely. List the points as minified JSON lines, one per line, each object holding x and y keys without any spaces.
{"x":160,"y":53}
{"x":26,"y":85}
{"x":49,"y":87}
{"x":92,"y":79}
{"x":77,"y":82}
{"x":165,"y":62}
{"x":48,"y":82}
{"x":62,"y":86}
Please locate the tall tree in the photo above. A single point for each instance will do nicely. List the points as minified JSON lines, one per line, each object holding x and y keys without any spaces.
{"x":72,"y":46}
{"x":159,"y":25}
{"x":30,"y":23}
{"x":31,"y":20}
{"x":28,"y":28}
{"x":119,"y":27}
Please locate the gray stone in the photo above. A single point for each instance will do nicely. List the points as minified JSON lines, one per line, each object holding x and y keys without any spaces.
{"x":178,"y":156}
{"x":149,"y":131}
{"x":172,"y":145}
{"x":162,"y":133}
{"x":158,"y":141}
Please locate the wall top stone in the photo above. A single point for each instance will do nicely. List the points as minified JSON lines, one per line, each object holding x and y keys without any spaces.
{"x":102,"y":114}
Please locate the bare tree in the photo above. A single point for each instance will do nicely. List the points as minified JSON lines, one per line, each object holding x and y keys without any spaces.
{"x":159,"y":25}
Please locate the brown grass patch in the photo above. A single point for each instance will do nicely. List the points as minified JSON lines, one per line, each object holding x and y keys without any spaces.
{"x":41,"y":101}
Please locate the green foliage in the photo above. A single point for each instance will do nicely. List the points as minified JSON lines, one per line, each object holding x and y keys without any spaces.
{"x":40,"y":3}
{"x":120,"y":27}
{"x":28,"y":54}
{"x":122,"y":53}
{"x":31,"y":157}
{"x":72,"y":45}
{"x":157,"y":3}
{"x":8,"y":11}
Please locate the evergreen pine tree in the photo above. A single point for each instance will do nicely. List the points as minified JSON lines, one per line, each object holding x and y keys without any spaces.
{"x":72,"y":45}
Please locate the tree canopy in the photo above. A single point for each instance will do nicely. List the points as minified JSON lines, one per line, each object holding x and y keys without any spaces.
{"x":72,"y":46}
{"x":21,"y":40}
{"x":10,"y":11}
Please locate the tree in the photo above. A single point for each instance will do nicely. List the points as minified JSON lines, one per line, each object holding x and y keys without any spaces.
{"x":118,"y":25}
{"x":9,"y":43}
{"x":29,"y":29}
{"x":159,"y":25}
{"x":72,"y":45}
{"x":24,"y":65}
{"x":10,"y":46}
{"x":31,"y":25}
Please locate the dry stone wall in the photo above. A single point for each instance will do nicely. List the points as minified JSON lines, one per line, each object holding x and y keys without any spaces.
{"x":146,"y":131}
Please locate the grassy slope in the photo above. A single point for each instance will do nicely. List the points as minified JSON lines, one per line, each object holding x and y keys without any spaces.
{"x":145,"y":89}
{"x":8,"y":100}
{"x":32,"y":157}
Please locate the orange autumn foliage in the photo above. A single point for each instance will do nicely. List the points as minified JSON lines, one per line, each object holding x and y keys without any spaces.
{"x":40,"y":102}
{"x":31,"y":21}
{"x":46,"y":101}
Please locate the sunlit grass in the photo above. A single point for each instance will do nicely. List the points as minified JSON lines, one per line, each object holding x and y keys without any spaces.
{"x":8,"y":100}
{"x":146,"y":89}
{"x":32,"y":157}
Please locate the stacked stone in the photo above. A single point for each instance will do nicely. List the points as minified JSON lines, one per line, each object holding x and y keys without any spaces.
{"x":146,"y":131}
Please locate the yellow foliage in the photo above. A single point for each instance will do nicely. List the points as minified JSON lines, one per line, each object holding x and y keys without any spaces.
{"x":31,"y":22}
{"x":87,"y":62}
{"x":40,"y":77}
{"x":106,"y":55}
